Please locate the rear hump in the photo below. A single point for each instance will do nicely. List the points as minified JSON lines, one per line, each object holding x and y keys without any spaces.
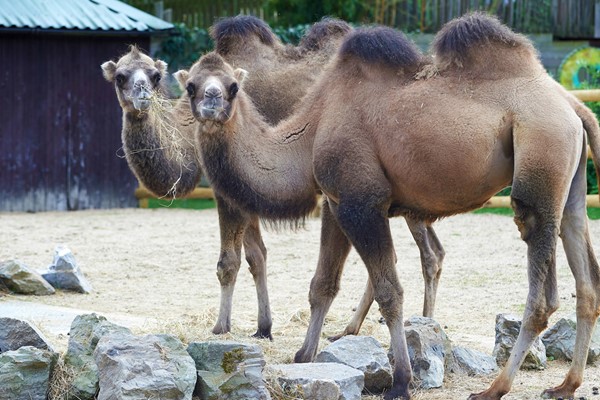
{"x":324,"y":31}
{"x":462,"y":36}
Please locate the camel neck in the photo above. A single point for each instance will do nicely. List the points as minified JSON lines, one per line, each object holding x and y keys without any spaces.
{"x":265,"y":170}
{"x":156,"y":165}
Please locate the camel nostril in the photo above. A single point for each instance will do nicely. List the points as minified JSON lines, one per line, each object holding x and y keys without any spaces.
{"x":212,"y":92}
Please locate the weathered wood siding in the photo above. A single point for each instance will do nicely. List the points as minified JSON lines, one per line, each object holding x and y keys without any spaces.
{"x":60,"y":124}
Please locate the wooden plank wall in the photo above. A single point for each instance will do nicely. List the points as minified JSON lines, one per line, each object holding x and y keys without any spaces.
{"x":61,"y":124}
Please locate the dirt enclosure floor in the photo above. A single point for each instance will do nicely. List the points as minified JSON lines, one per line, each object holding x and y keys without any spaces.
{"x":156,"y":269}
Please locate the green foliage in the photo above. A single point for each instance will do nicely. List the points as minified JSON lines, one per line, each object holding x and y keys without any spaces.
{"x":184,"y":46}
{"x":296,"y":12}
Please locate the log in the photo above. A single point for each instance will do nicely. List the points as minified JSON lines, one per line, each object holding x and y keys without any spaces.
{"x":198,"y":193}
{"x":592,"y":200}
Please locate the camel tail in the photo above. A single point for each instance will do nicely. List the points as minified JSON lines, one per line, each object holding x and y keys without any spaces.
{"x":324,"y":31}
{"x":461,"y":36}
{"x":381,"y":45}
{"x":590,"y":124}
{"x":228,"y":31}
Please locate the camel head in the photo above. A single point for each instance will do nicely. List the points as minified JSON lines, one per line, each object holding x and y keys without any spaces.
{"x":212,"y":86}
{"x":135,"y":76}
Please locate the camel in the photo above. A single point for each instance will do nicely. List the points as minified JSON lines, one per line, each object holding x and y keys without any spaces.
{"x":389,"y":132}
{"x":148,"y":134}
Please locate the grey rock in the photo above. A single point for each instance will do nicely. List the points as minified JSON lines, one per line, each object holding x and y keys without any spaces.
{"x":472,"y":362}
{"x":507,"y":331}
{"x":560,"y":340}
{"x":19,"y":278}
{"x":25,"y":373}
{"x":228,"y":370}
{"x":15,"y":333}
{"x":365,"y":354}
{"x":317,"y":381}
{"x":64,"y":273}
{"x":86,"y":330}
{"x":144,"y":367}
{"x":429,"y":350}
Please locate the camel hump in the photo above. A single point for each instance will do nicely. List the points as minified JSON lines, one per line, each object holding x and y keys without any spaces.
{"x":227,"y":31}
{"x":460,"y":37}
{"x":324,"y":31}
{"x":381,"y":45}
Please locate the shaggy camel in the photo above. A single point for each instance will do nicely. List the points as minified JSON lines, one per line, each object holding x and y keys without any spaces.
{"x":383,"y":143}
{"x":149,"y":133}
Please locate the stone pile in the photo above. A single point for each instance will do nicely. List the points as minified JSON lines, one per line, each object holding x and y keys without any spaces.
{"x":63,"y":273}
{"x":106,"y":361}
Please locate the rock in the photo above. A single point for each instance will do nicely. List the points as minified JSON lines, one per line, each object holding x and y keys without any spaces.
{"x":428,"y":349}
{"x":472,"y":362}
{"x":25,"y":373}
{"x":317,"y":381}
{"x":19,"y":278}
{"x":507,"y":331}
{"x":365,"y":354}
{"x":144,"y":367}
{"x":86,"y":330}
{"x":228,"y":370}
{"x":560,"y":340}
{"x":64,"y":272}
{"x":15,"y":333}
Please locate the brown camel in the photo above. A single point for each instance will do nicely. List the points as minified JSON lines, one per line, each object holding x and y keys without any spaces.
{"x":383,"y":143}
{"x":148,"y":132}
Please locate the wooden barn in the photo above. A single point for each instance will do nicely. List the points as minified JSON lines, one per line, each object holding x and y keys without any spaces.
{"x":60,"y":122}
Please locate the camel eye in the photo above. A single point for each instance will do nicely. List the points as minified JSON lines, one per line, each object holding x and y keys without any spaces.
{"x":233,"y":89}
{"x":120,"y":78}
{"x":156,"y":78}
{"x":191,"y":90}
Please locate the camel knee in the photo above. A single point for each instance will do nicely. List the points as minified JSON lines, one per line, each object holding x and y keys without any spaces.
{"x":432,"y":266}
{"x":389,"y":297}
{"x":227,"y":268}
{"x":322,"y":289}
{"x":588,"y":303}
{"x":256,"y":260}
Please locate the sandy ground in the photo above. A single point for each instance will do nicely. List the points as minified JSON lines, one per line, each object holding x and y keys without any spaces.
{"x":157,"y":268}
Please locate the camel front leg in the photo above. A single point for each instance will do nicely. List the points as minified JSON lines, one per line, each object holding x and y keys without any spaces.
{"x":232,"y":224}
{"x":432,"y":256}
{"x":326,"y":282}
{"x":367,"y":227}
{"x":256,"y":256}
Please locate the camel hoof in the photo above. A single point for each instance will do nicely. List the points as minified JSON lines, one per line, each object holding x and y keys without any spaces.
{"x":396,"y":393}
{"x":260,"y":334}
{"x":483,"y":396}
{"x":301,"y":357}
{"x":336,"y":337}
{"x":558,"y":393}
{"x":220,"y":330}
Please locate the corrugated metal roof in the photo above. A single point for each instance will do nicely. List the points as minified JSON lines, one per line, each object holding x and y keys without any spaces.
{"x":104,"y":15}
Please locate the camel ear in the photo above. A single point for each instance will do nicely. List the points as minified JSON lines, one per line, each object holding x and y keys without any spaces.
{"x":161,"y":66}
{"x":240,"y":74}
{"x":182,"y":77}
{"x":108,"y":70}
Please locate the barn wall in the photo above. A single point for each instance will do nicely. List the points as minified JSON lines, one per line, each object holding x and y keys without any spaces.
{"x":60,"y":124}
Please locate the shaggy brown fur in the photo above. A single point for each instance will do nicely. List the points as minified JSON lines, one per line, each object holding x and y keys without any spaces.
{"x":158,"y":170}
{"x":383,"y":143}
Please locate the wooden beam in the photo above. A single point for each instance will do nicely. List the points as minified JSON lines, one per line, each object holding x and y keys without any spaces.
{"x":587,"y":95}
{"x":198,"y":193}
{"x":593,"y":200}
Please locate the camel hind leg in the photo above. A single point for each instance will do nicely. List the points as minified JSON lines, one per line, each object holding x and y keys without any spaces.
{"x":575,"y":236}
{"x":539,"y":192}
{"x":432,"y":256}
{"x":256,"y":256}
{"x":232,"y":225}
